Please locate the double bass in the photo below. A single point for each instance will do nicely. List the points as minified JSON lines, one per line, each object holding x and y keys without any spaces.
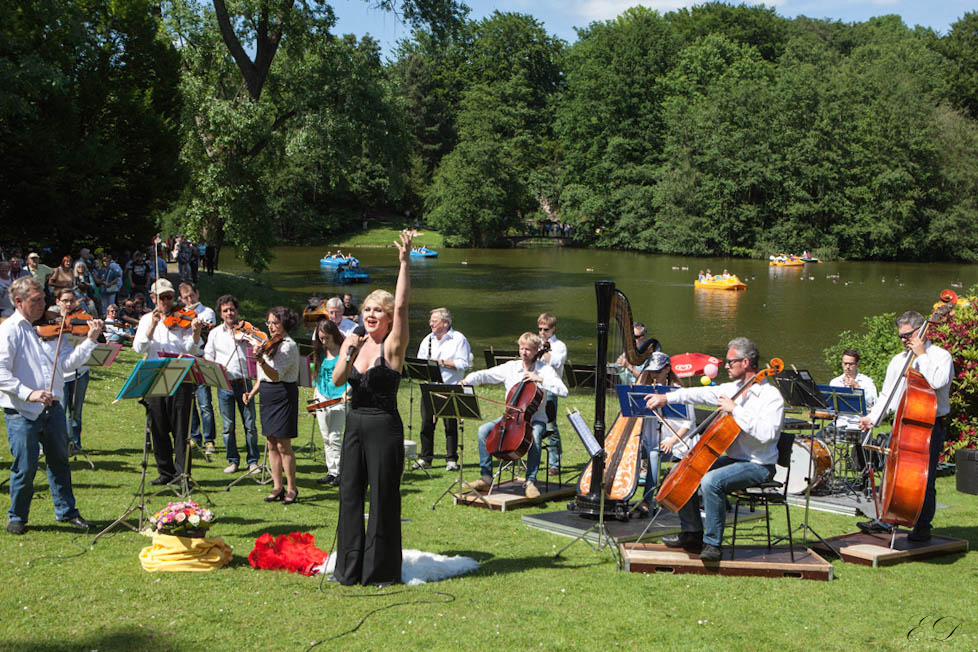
{"x":617,"y":469}
{"x":716,"y":432}
{"x":511,"y":437}
{"x":908,"y":455}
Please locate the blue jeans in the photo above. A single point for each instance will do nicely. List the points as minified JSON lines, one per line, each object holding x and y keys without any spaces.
{"x":532,"y":456}
{"x":726,"y":475}
{"x":74,"y":401}
{"x":226,"y":402}
{"x":51,"y":431}
{"x":205,"y":421}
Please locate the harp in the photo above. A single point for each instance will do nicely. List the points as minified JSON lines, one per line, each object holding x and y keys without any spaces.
{"x":617,"y":467}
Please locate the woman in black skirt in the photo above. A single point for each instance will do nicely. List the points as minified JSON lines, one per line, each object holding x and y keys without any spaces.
{"x":278,"y":375}
{"x":373,"y":445}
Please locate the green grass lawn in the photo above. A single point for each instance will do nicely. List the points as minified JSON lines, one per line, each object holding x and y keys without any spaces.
{"x":63,"y":594}
{"x":382,"y":234}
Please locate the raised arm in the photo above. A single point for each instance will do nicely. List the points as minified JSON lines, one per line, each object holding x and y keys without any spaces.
{"x":398,"y":340}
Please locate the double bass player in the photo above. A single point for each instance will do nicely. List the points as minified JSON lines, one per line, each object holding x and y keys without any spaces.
{"x":937,"y":367}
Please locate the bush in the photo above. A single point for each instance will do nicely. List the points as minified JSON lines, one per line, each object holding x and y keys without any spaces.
{"x":877,"y":343}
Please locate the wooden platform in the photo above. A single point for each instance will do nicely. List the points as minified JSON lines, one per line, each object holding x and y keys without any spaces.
{"x":748,"y":561}
{"x":509,"y":495}
{"x":874,"y":549}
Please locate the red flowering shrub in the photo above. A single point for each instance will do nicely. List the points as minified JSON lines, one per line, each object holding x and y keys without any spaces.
{"x":959,"y":336}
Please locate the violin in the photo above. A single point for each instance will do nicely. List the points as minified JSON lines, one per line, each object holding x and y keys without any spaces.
{"x":180,"y":318}
{"x":268,"y":345}
{"x":718,"y":431}
{"x":249,"y":332}
{"x":319,"y":405}
{"x":74,"y":324}
{"x":511,"y":437}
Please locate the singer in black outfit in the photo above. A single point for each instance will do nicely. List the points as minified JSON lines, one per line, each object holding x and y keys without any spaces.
{"x":373,"y":446}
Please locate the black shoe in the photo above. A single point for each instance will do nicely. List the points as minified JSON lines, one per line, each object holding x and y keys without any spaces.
{"x":335,"y":481}
{"x":919,"y":536}
{"x":874,"y":527}
{"x":326,"y":479}
{"x":275,"y":495}
{"x":161,"y":481}
{"x":291,"y":498}
{"x":78,"y":522}
{"x":691,"y":541}
{"x":711,"y":553}
{"x":16,"y":527}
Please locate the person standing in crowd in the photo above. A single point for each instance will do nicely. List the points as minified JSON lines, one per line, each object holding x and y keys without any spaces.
{"x":202,"y":428}
{"x":373,"y":445}
{"x":37,"y":269}
{"x":84,"y":287}
{"x":350,"y":308}
{"x":226,"y":346}
{"x":6,"y":303}
{"x":109,"y":279}
{"x":62,"y":277}
{"x":138,"y":273}
{"x":450,"y":350}
{"x":326,"y":342}
{"x":34,"y":415}
{"x":210,"y":259}
{"x":168,"y":415}
{"x":555,"y":356}
{"x":278,"y":376}
{"x":334,"y":309}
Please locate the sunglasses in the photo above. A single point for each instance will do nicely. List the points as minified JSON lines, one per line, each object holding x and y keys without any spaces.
{"x":906,"y":336}
{"x":730,"y":361}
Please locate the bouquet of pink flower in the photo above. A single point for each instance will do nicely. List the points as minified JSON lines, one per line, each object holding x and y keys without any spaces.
{"x":182,"y":517}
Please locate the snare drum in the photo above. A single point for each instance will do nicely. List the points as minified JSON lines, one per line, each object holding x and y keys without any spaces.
{"x":801,"y":453}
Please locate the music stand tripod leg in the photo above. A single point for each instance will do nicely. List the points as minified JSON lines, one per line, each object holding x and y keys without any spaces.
{"x":263,"y":471}
{"x":140,"y":505}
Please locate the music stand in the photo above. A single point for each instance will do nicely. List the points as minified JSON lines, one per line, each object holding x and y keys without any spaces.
{"x":426,"y":371}
{"x":799,"y":390}
{"x":454,"y":402}
{"x":846,"y":400}
{"x":582,"y":376}
{"x":595,"y":450}
{"x":496,"y":357}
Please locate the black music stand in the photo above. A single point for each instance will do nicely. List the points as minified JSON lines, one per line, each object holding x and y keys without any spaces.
{"x":595,"y":450}
{"x":582,"y":376}
{"x":846,"y":400}
{"x":454,"y":402}
{"x":799,"y":390}
{"x":498,"y":356}
{"x":426,"y":371}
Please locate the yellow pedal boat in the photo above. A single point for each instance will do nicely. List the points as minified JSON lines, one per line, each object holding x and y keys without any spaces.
{"x":719,"y":283}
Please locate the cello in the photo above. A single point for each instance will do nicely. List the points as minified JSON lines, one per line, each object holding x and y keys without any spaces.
{"x":511,"y":437}
{"x":617,"y":468}
{"x":908,"y":455}
{"x":718,"y":431}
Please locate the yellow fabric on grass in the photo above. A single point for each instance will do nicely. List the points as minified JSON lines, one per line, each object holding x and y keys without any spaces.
{"x":170,"y":553}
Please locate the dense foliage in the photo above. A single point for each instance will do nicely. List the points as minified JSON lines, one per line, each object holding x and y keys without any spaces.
{"x":713,"y":130}
{"x":877,"y":344}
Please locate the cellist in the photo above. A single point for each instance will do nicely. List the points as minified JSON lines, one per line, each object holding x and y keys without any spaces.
{"x":528,"y":367}
{"x":937,"y":367}
{"x":749,"y":460}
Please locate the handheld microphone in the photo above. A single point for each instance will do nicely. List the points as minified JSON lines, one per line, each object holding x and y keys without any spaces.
{"x":359,"y":331}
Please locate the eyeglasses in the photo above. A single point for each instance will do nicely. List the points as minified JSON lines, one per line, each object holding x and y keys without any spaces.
{"x":272,"y":323}
{"x":545,"y":328}
{"x":730,"y":361}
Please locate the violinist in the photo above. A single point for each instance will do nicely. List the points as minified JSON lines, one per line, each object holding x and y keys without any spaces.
{"x":202,"y":428}
{"x":31,"y":395}
{"x":227,"y":346}
{"x":555,"y":356}
{"x":76,"y":382}
{"x":749,"y":460}
{"x":528,"y":367}
{"x":168,"y":415}
{"x":937,"y":367}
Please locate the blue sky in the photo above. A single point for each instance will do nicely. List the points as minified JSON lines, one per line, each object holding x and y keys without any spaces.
{"x":560,"y":17}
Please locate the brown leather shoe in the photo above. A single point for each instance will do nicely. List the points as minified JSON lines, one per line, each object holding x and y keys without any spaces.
{"x":482,"y":484}
{"x":530,"y":490}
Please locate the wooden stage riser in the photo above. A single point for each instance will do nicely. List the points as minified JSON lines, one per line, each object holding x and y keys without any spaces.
{"x":509,"y":495}
{"x":749,"y":561}
{"x":874,"y":549}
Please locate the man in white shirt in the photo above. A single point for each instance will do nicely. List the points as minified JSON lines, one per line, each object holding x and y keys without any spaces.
{"x":853,"y":379}
{"x":168,"y":414}
{"x":749,"y":460}
{"x":937,"y":367}
{"x":530,"y":368}
{"x":230,"y":349}
{"x":450,"y":349}
{"x":202,"y":427}
{"x":556,"y":356}
{"x":334,"y":310}
{"x":34,"y":415}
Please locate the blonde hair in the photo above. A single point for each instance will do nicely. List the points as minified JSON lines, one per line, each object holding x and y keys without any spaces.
{"x":547,"y":319}
{"x":384,"y":299}
{"x":531,"y":340}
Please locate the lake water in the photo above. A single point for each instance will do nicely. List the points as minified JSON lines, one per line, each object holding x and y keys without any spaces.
{"x":495,"y":295}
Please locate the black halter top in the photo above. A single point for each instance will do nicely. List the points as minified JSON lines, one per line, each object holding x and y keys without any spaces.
{"x":377,"y":387}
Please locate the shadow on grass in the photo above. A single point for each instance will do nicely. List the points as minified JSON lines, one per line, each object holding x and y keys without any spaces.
{"x":122,"y":639}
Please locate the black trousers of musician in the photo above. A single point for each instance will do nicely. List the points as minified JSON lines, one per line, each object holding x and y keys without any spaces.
{"x":937,"y":437}
{"x":373,"y":455}
{"x":170,"y":415}
{"x":428,"y":423}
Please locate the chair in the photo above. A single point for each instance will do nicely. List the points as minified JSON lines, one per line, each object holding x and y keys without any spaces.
{"x":767,"y":494}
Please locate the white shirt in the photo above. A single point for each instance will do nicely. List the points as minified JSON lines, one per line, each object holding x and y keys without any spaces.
{"x":171,"y":340}
{"x":759,"y":414}
{"x":558,"y":355}
{"x":225,"y":349}
{"x":206,"y":315}
{"x":863,"y":382}
{"x":452,"y":346}
{"x":285,"y":362}
{"x":346,"y":326}
{"x":26,"y":365}
{"x":511,"y":372}
{"x":937,"y":368}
